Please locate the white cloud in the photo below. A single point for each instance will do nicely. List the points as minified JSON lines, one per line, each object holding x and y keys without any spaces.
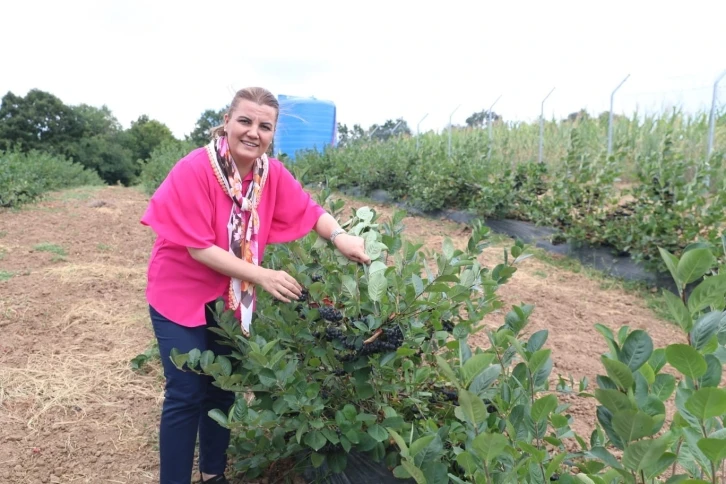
{"x":376,"y":59}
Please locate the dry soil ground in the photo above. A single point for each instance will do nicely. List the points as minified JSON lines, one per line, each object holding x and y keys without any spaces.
{"x":72,"y":315}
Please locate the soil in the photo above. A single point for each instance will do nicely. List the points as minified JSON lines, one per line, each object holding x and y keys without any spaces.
{"x":73,"y":315}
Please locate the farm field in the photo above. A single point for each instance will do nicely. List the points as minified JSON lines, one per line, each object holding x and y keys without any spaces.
{"x":73,"y":315}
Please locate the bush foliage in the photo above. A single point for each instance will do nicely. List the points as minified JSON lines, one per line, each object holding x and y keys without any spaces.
{"x":650,"y":192}
{"x":377,"y":360}
{"x":27,"y":177}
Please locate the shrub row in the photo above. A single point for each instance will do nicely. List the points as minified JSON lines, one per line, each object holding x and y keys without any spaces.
{"x":26,"y":177}
{"x":670,"y":200}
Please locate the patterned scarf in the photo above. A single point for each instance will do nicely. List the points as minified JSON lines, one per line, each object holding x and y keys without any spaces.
{"x":244,"y":222}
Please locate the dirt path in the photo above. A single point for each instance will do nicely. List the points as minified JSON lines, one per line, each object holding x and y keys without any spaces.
{"x":72,"y":312}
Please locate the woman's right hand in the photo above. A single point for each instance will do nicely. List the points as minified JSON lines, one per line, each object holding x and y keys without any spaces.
{"x":280,"y":284}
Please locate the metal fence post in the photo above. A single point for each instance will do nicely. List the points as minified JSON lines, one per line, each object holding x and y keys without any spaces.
{"x":712,"y":126}
{"x":712,"y":117}
{"x":610,"y":115}
{"x":450,"y":116}
{"x":418,"y":130}
{"x":489,"y":127}
{"x":541,"y":126}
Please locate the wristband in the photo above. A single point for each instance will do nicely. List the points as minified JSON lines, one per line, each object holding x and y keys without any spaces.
{"x":336,"y":233}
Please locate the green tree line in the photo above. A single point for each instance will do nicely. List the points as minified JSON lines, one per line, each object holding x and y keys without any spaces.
{"x":88,"y":135}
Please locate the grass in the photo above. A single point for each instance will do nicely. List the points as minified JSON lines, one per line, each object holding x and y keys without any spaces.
{"x":5,"y":275}
{"x":52,"y":248}
{"x":79,"y":193}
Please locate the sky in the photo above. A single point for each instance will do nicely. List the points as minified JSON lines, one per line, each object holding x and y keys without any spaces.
{"x":376,"y":60}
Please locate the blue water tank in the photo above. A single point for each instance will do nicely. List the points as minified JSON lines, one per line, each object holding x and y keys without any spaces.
{"x":305,"y":123}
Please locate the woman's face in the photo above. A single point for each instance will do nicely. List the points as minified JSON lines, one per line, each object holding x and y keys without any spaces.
{"x":250,"y":129}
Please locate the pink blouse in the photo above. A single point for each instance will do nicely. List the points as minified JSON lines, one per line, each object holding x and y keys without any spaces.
{"x":190,"y":209}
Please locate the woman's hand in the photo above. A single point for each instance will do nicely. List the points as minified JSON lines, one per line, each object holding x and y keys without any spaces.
{"x":280,"y":284}
{"x":353,"y":247}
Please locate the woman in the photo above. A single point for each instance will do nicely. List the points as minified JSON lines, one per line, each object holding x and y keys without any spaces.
{"x":213,"y":215}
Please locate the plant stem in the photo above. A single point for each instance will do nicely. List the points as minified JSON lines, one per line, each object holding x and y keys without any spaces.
{"x":678,"y":449}
{"x":713,"y":472}
{"x":486,"y":472}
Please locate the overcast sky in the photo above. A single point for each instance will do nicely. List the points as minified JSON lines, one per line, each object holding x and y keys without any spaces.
{"x":374,"y":59}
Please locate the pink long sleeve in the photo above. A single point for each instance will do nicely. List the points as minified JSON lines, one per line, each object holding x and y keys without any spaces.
{"x":181,"y":210}
{"x":295,"y":214}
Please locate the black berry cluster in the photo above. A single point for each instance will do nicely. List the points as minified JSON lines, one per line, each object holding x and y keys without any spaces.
{"x":390,"y":340}
{"x":448,"y":326}
{"x":317,"y":278}
{"x":330,"y":314}
{"x":304,"y":295}
{"x":450,"y":396}
{"x":490,"y":406}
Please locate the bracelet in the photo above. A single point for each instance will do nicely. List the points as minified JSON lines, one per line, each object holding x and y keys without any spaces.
{"x":336,"y":233}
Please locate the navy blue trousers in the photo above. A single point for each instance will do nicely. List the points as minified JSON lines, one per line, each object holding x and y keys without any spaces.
{"x":188,"y":398}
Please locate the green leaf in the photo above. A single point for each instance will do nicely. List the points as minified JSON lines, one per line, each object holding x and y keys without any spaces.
{"x":604,"y":455}
{"x":467,"y":462}
{"x":671,"y":261}
{"x":663,"y":386}
{"x":377,"y":285}
{"x":618,"y":372}
{"x":686,"y":359}
{"x":713,"y":449}
{"x":448,"y":248}
{"x":378,"y":433}
{"x":706,"y":403}
{"x":475,"y":365}
{"x":473,"y":407}
{"x":365,"y":214}
{"x":609,"y":339}
{"x":542,"y":407}
{"x":633,"y":425}
{"x":485,"y":379}
{"x":537,"y":340}
{"x":414,"y":471}
{"x":418,"y":284}
{"x":712,"y":377}
{"x":399,"y":441}
{"x":678,"y":310}
{"x":694,"y":264}
{"x":538,"y":359}
{"x":705,"y":328}
{"x":315,"y":440}
{"x":636,"y":349}
{"x":350,"y":287}
{"x":643,"y":452}
{"x":317,"y":459}
{"x":420,"y":444}
{"x":218,"y":416}
{"x":657,"y":360}
{"x":488,"y":446}
{"x":613,"y":400}
{"x":447,"y":371}
{"x":647,"y":371}
{"x":710,"y":292}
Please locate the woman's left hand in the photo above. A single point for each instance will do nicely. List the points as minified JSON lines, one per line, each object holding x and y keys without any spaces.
{"x":353,"y":247}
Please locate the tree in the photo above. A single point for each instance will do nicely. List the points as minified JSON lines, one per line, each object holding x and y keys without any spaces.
{"x":481,"y":118}
{"x":208,"y":120}
{"x":103,"y":145}
{"x":95,"y":121}
{"x":145,"y":135}
{"x":388,"y":129}
{"x":348,"y":135}
{"x":39,"y":121}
